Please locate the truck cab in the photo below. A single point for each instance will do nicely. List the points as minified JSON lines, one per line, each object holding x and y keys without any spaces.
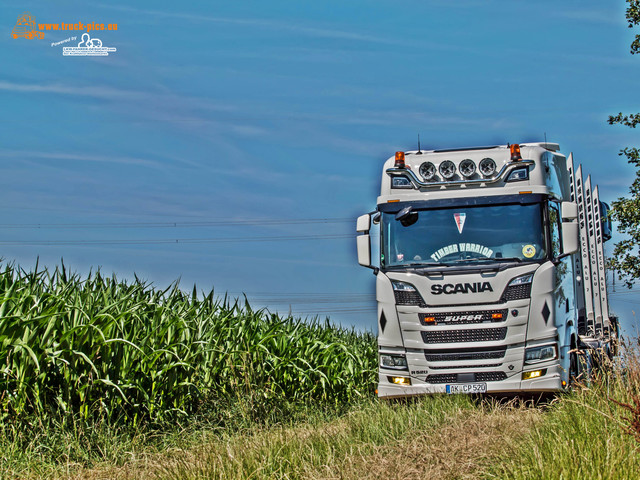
{"x":479,"y":283}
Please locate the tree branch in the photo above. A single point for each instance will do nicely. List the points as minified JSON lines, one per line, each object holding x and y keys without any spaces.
{"x":629,"y":120}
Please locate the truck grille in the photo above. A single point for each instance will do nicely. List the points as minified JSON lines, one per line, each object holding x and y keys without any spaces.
{"x":477,"y":377}
{"x":459,"y":336}
{"x":457,"y":318}
{"x":465,"y":367}
{"x":457,"y":355}
{"x":409,"y":298}
{"x":516,"y":292}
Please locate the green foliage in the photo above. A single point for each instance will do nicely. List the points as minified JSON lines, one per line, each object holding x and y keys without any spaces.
{"x":628,"y":120}
{"x":633,"y":17}
{"x":626,"y":211}
{"x":98,"y":348}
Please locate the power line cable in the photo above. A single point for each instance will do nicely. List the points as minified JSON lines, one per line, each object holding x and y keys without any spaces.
{"x":176,"y":240}
{"x":212,"y":223}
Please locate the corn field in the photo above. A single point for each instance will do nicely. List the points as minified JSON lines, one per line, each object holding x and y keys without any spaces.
{"x":100,"y":347}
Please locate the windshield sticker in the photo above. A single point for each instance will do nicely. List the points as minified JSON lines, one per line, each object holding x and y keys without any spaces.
{"x":462,"y":248}
{"x":460,"y":218}
{"x":400,"y":257}
{"x":528,"y":251}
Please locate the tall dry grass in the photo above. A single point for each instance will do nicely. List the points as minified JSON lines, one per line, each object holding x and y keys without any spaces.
{"x":589,"y":433}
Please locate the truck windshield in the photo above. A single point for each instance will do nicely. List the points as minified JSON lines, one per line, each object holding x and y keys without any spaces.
{"x":459,"y":235}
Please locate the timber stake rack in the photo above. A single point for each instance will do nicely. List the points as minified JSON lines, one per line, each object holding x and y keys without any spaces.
{"x":597,"y":328}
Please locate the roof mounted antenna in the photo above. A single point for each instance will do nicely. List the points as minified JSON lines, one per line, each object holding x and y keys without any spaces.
{"x":419,"y":152}
{"x":545,"y":141}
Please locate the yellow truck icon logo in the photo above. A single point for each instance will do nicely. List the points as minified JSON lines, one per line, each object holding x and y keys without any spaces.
{"x":26,"y":27}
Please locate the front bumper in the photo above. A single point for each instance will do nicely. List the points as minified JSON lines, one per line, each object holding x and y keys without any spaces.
{"x":550,"y":382}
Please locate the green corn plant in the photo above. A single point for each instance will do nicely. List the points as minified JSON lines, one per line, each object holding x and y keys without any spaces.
{"x":97,"y":347}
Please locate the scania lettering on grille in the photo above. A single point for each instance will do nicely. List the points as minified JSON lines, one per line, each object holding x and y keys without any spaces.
{"x":451,"y":289}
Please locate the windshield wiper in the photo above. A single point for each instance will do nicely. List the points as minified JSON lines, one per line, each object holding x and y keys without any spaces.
{"x":470,"y":260}
{"x":418,"y":265}
{"x":487,"y":259}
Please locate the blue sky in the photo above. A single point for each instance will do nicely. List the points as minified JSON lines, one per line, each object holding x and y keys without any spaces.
{"x":214,"y":113}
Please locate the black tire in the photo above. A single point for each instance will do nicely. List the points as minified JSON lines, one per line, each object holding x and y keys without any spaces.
{"x":574,"y":368}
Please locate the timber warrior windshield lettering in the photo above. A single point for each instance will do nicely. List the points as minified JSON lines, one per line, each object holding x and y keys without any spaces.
{"x":462,"y":248}
{"x":451,"y":289}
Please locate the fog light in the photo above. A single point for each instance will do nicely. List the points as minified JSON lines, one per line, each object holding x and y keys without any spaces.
{"x":447,"y":169}
{"x":400,"y":380}
{"x":487,"y":167}
{"x":533,"y":374}
{"x":467,"y":168}
{"x":428,"y":171}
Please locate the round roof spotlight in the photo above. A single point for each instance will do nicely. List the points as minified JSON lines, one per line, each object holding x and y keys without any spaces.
{"x":447,"y":169}
{"x":467,"y":168}
{"x":487,"y":167}
{"x":428,"y":171}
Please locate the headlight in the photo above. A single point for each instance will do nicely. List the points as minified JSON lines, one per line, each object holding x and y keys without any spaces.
{"x":395,"y":362}
{"x":521,"y":280}
{"x":406,"y":294}
{"x":540,"y":354}
{"x":402,"y":286}
{"x":518,"y":288}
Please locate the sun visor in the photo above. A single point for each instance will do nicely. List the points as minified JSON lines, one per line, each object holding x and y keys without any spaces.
{"x":395,"y":207}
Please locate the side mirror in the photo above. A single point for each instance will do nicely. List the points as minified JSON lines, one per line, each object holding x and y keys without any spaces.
{"x":363,"y":242}
{"x":363,"y":225}
{"x":570,"y":233}
{"x":569,"y":210}
{"x":364,"y":250}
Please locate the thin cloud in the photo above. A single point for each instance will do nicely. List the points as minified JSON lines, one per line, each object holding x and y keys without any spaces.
{"x":255,"y":22}
{"x":34,"y":155}
{"x":96,"y":91}
{"x":592,"y":16}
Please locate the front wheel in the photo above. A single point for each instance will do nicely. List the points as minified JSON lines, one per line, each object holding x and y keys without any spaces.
{"x":574,"y":368}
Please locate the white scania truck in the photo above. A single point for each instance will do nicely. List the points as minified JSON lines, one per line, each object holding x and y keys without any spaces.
{"x":491,"y":275}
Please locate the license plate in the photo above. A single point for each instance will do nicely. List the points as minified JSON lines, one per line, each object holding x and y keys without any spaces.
{"x":467,"y":388}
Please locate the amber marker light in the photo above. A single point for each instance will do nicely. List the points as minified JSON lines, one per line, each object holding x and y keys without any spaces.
{"x":400,"y":160}
{"x":430,"y":319}
{"x":496,"y":316}
{"x":515,"y":153}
